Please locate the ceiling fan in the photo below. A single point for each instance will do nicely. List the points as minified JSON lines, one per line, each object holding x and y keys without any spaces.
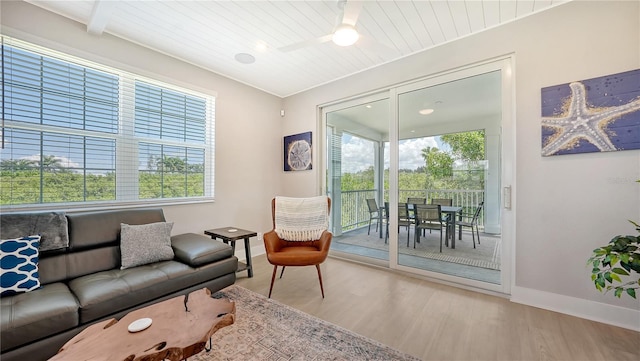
{"x":344,"y":34}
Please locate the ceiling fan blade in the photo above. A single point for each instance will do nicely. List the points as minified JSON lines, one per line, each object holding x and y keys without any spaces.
{"x":351,"y":12}
{"x":304,"y":44}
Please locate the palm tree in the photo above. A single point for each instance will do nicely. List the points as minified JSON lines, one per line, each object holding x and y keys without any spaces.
{"x":50,"y":162}
{"x":17,"y":164}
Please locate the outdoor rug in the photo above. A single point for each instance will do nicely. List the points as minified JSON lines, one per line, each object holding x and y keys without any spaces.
{"x":485,"y":255}
{"x":265,"y":329}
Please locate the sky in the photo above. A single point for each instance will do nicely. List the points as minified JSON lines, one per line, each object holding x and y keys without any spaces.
{"x":357,"y":153}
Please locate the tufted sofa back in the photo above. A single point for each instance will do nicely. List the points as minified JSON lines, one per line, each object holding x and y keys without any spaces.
{"x":94,"y":243}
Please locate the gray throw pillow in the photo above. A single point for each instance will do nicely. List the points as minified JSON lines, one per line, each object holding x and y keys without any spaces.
{"x":145,"y":243}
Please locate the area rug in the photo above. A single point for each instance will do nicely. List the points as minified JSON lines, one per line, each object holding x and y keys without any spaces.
{"x":265,"y":329}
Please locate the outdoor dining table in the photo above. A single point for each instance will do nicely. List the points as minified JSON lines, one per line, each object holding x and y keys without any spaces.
{"x":448,"y":210}
{"x":452,"y":211}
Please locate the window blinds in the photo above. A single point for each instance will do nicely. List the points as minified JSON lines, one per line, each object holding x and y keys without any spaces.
{"x":76,"y":131}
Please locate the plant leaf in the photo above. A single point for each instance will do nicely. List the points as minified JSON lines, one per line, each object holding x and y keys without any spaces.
{"x":624,"y":258}
{"x":615,"y":277}
{"x":618,"y":292}
{"x":631,"y":292}
{"x":620,"y":271}
{"x":614,"y":260}
{"x":626,"y":266}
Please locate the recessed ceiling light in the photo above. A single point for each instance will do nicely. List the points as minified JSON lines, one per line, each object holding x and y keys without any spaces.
{"x":368,"y":106}
{"x":245,"y":58}
{"x":426,"y":111}
{"x":345,"y":35}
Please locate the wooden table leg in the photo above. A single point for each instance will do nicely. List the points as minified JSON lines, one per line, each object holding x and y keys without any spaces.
{"x":247,"y":253}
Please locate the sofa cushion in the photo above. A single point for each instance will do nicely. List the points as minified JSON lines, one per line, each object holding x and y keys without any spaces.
{"x":19,"y":264}
{"x":27,"y":317}
{"x":145,"y":243}
{"x":104,"y":293}
{"x":196,"y":249}
{"x":100,"y":229}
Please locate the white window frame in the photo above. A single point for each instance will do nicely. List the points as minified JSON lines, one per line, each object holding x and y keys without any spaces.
{"x":127,"y":186}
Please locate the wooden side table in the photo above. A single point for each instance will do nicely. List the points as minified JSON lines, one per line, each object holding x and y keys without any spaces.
{"x":231,"y":235}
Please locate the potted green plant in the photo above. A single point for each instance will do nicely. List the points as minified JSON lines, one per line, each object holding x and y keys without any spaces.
{"x":614,"y":264}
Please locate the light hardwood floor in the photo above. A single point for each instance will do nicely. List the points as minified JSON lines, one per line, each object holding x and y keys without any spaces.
{"x":438,"y":322}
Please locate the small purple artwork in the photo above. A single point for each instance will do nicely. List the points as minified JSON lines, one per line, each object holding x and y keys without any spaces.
{"x":595,"y":115}
{"x":297,"y":152}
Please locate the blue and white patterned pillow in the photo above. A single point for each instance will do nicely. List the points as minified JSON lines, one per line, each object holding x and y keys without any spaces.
{"x":19,"y":263}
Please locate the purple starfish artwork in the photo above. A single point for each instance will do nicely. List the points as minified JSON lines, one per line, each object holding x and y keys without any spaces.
{"x":595,"y":115}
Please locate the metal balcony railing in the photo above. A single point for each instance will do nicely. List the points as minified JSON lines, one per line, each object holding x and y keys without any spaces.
{"x":355,"y":213}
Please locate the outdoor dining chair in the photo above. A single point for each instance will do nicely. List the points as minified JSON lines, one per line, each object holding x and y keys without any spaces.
{"x":471,"y":221}
{"x":428,"y":216}
{"x":374,"y":213}
{"x":403,"y":219}
{"x":445,"y":202}
{"x":416,"y":200}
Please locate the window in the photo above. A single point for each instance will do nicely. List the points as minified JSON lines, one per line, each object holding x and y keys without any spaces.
{"x":76,"y":132}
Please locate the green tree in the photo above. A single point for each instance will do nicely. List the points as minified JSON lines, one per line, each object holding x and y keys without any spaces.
{"x":360,"y":180}
{"x":439,"y":166}
{"x":51,"y":163}
{"x":17,"y":164}
{"x":468,"y":149}
{"x":466,"y":146}
{"x":172,"y":164}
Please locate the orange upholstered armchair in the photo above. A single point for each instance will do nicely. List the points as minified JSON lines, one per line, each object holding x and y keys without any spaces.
{"x":299,"y":252}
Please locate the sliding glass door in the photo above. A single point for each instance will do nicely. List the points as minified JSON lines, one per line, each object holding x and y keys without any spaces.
{"x":435,"y":141}
{"x":355,"y":141}
{"x":445,"y":160}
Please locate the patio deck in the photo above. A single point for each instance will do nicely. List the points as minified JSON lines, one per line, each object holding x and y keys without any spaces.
{"x":481,"y":263}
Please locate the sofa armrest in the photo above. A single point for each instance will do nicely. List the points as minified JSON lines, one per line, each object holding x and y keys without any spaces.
{"x":197,"y":250}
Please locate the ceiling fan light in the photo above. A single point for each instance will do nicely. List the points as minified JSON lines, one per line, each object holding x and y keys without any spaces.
{"x":345,"y":35}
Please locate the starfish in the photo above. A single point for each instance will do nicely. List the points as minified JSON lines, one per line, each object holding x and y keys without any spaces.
{"x":584,"y":122}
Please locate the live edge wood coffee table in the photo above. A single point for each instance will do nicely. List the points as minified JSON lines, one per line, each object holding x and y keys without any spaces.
{"x":180,"y":328}
{"x":231,"y":235}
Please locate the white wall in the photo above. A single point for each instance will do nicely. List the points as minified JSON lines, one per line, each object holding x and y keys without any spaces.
{"x":248,"y":122}
{"x":566,"y":205}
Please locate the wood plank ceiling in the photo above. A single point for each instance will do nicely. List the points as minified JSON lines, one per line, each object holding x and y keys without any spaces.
{"x":210,"y":34}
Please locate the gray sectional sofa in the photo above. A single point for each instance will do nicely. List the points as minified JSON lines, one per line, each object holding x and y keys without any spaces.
{"x":82,"y":281}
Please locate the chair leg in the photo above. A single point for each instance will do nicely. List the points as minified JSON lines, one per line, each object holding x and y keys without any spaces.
{"x":408,"y":229}
{"x":440,"y":240}
{"x":416,"y":238}
{"x":473,"y":236}
{"x":282,"y":272}
{"x":478,"y":232}
{"x":320,"y":278}
{"x":273,"y":278}
{"x":369,"y":230}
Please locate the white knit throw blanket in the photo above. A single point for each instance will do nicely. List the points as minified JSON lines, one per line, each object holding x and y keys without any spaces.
{"x":301,"y":219}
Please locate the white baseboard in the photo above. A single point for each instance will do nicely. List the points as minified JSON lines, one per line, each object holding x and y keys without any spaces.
{"x":596,"y":311}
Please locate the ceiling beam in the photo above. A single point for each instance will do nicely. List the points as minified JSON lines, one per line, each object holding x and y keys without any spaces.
{"x":100,"y":15}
